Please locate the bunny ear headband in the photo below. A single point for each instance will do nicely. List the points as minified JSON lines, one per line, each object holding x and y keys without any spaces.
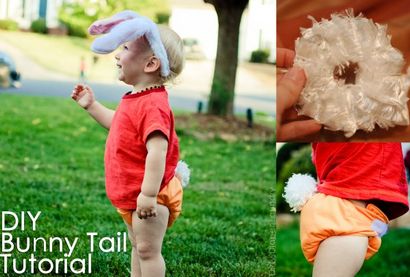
{"x":128,"y":26}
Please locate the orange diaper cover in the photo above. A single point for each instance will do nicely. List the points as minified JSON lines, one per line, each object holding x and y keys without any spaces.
{"x":170,"y":196}
{"x":324,"y":216}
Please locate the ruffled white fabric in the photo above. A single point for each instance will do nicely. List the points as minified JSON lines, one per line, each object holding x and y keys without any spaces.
{"x":379,"y":94}
{"x":128,"y":26}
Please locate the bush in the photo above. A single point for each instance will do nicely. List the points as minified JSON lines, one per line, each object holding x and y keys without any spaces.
{"x":285,"y":153}
{"x":162,"y":18}
{"x":300,"y":162}
{"x":39,"y":26}
{"x":77,"y":28}
{"x":8,"y":24}
{"x":260,"y":56}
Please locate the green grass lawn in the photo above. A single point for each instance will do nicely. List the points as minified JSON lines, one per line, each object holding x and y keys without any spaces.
{"x":52,"y":161}
{"x":392,"y":260}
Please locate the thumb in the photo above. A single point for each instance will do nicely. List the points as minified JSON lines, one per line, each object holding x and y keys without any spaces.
{"x":289,"y":88}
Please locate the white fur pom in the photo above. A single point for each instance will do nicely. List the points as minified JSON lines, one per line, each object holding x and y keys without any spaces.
{"x":375,"y":94}
{"x":183,"y":173}
{"x":299,"y":189}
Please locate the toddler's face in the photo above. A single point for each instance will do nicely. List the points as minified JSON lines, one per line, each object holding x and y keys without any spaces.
{"x":131,"y":60}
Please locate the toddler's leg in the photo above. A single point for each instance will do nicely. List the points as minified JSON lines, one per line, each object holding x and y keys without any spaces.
{"x":340,"y":256}
{"x":135,"y":263}
{"x":149,"y":234}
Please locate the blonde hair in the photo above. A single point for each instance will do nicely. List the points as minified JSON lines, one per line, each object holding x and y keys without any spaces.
{"x":175,"y":51}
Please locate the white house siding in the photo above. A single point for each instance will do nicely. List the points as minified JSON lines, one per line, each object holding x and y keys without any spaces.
{"x":3,"y":9}
{"x":52,"y":12}
{"x":11,"y":9}
{"x":201,"y":24}
{"x":190,"y":18}
{"x":196,"y":19}
{"x":258,"y":28}
{"x":30,"y":13}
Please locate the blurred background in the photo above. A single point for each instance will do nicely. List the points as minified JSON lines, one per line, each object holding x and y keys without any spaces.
{"x":47,"y":44}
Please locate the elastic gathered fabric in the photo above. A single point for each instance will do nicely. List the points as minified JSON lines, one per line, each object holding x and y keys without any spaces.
{"x":378,"y":95}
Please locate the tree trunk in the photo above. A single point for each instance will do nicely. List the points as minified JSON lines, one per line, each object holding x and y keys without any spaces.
{"x":223,"y":85}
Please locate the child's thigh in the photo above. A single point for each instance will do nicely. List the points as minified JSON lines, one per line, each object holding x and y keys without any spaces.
{"x":340,"y":256}
{"x":151,"y":230}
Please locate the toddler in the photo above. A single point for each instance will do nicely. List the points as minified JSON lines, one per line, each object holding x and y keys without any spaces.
{"x":360,"y":187}
{"x":141,"y":153}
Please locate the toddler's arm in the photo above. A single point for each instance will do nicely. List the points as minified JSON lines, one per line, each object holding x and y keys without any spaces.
{"x":157,"y":146}
{"x":84,"y":96}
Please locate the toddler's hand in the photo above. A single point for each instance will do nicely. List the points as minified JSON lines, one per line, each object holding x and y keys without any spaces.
{"x":289,"y":125}
{"x":146,"y":206}
{"x":83,"y":95}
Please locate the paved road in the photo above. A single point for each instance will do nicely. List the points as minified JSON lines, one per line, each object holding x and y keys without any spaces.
{"x":254,"y":86}
{"x":104,"y":92}
{"x":179,"y":99}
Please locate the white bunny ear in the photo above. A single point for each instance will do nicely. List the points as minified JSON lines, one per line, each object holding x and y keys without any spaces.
{"x":128,"y":26}
{"x":127,"y":30}
{"x":158,"y":48}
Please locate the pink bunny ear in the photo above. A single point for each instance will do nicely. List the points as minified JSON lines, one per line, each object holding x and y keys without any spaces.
{"x":105,"y":25}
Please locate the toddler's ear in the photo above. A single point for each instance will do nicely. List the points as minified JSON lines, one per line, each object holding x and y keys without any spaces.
{"x":152,"y":65}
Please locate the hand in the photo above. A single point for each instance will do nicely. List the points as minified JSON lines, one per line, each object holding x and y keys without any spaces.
{"x":146,"y":206}
{"x":83,"y":95}
{"x":290,"y":126}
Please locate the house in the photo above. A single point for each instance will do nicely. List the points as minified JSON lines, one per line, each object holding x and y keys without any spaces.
{"x":258,"y":29}
{"x":194,"y":20}
{"x":26,"y":11}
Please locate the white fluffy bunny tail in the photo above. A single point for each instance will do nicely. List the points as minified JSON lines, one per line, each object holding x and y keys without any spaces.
{"x":298,"y":190}
{"x":183,"y":172}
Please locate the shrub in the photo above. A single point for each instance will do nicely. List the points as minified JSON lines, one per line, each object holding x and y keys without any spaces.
{"x":77,"y":27}
{"x":260,"y":56}
{"x":8,"y":24}
{"x":39,"y":26}
{"x":162,"y":18}
{"x":300,"y":162}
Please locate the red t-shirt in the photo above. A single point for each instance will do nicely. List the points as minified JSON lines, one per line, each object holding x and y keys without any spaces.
{"x":363,"y":171}
{"x":137,"y":116}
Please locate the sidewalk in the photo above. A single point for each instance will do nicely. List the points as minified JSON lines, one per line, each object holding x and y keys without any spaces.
{"x":28,"y":68}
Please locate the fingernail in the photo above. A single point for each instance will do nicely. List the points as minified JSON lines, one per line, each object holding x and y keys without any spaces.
{"x":295,"y":74}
